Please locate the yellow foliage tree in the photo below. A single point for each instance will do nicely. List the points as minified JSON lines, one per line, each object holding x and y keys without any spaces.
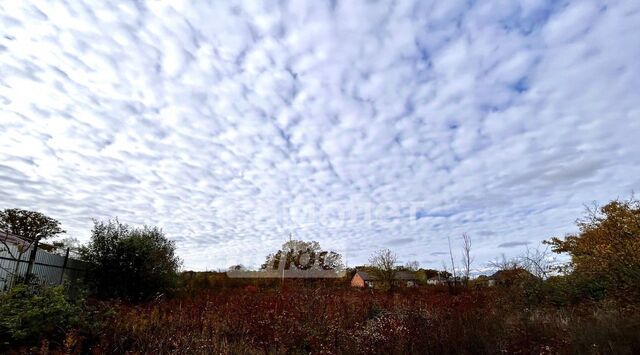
{"x":608,"y":244}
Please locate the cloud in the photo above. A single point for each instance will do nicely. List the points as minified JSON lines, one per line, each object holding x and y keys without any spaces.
{"x":513,"y":244}
{"x":438,"y":253}
{"x":400,"y":241}
{"x":357,"y":124}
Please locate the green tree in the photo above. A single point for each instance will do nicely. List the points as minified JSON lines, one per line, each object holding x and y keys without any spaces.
{"x":128,"y":262}
{"x":293,"y":249}
{"x":31,"y":227}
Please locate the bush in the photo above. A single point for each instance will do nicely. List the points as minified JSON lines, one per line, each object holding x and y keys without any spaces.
{"x":574,"y":289}
{"x":30,"y":312}
{"x":132,"y":263}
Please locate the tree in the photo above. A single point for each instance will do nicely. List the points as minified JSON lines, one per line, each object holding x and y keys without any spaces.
{"x":128,"y":262}
{"x":61,"y":246}
{"x":539,"y":262}
{"x":506,"y":264}
{"x":384,"y":264}
{"x":412,"y":266}
{"x":607,"y":246}
{"x":467,"y":259}
{"x":30,"y":226}
{"x":453,"y":265}
{"x":301,"y":251}
{"x":237,"y":267}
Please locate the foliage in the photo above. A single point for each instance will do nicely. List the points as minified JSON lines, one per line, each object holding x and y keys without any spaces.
{"x":299,"y":248}
{"x":384,"y":267}
{"x":61,"y":246}
{"x":28,"y":312}
{"x":29,"y":225}
{"x":344,"y":321}
{"x":607,"y":248}
{"x":133,"y":263}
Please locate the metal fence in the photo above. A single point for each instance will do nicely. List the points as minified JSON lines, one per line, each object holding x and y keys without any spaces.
{"x":49,"y":268}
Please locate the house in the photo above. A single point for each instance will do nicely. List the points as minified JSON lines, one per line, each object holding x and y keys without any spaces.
{"x":8,"y":239}
{"x":366,"y":280}
{"x":406,"y":278}
{"x":436,"y":280}
{"x":509,"y":277}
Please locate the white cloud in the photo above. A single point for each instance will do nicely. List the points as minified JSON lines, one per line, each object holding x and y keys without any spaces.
{"x":500,"y":119}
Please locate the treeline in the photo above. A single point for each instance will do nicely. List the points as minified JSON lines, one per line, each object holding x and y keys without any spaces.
{"x":536,"y":303}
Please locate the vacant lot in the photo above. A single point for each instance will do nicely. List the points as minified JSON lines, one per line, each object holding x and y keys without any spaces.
{"x":344,"y":321}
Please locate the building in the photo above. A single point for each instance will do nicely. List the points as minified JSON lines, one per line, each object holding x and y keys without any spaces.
{"x":366,"y":280}
{"x":509,"y":277}
{"x":436,"y":280}
{"x":7,"y":239}
{"x":10,"y":239}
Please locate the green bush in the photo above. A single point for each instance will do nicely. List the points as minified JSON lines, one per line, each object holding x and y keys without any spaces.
{"x":132,"y":263}
{"x":29,"y":312}
{"x":575,"y":288}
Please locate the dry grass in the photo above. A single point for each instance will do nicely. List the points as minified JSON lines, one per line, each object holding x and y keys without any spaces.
{"x":309,"y":320}
{"x":338,"y":321}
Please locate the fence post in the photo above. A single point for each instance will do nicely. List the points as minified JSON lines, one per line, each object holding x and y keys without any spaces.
{"x":64,"y":265}
{"x":32,"y":260}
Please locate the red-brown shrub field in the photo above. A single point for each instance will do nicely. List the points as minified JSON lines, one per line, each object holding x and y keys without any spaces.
{"x":317,"y":320}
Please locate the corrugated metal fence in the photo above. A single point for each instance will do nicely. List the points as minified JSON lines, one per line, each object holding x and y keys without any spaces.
{"x":49,"y":268}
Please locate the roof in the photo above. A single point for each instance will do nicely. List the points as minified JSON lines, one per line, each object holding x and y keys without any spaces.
{"x":365,"y":276}
{"x":400,"y":275}
{"x":511,"y":273}
{"x":9,"y":238}
{"x":405,"y":275}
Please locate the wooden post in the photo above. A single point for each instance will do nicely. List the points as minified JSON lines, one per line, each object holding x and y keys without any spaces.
{"x":64,"y":266}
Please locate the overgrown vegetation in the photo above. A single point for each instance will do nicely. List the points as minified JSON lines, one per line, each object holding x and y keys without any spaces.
{"x":588,"y":307}
{"x":330,"y":320}
{"x":30,"y":311}
{"x":131,"y":263}
{"x":606,"y":252}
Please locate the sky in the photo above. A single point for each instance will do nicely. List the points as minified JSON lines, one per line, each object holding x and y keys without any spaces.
{"x":359,"y":124}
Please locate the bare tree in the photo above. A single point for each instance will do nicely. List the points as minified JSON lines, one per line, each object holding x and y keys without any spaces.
{"x":453,"y":265}
{"x":384,"y":263}
{"x":467,"y":259}
{"x":539,"y":262}
{"x":412,"y":265}
{"x":506,"y":264}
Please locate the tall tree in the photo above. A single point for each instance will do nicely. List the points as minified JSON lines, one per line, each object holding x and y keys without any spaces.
{"x":30,"y":226}
{"x":384,"y":264}
{"x":293,"y":249}
{"x":453,"y":264}
{"x":467,"y":259}
{"x":608,"y":244}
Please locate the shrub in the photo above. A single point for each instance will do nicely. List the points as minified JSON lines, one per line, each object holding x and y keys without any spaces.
{"x":30,"y":312}
{"x":132,"y":263}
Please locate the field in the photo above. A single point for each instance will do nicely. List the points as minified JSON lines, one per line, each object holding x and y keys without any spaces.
{"x":332,"y":320}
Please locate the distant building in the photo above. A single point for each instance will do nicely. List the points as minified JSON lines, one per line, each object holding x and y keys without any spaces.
{"x":509,"y":277}
{"x":366,"y":280}
{"x":436,"y":280}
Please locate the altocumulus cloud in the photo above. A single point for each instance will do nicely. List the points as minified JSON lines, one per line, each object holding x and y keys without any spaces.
{"x":232,"y":124}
